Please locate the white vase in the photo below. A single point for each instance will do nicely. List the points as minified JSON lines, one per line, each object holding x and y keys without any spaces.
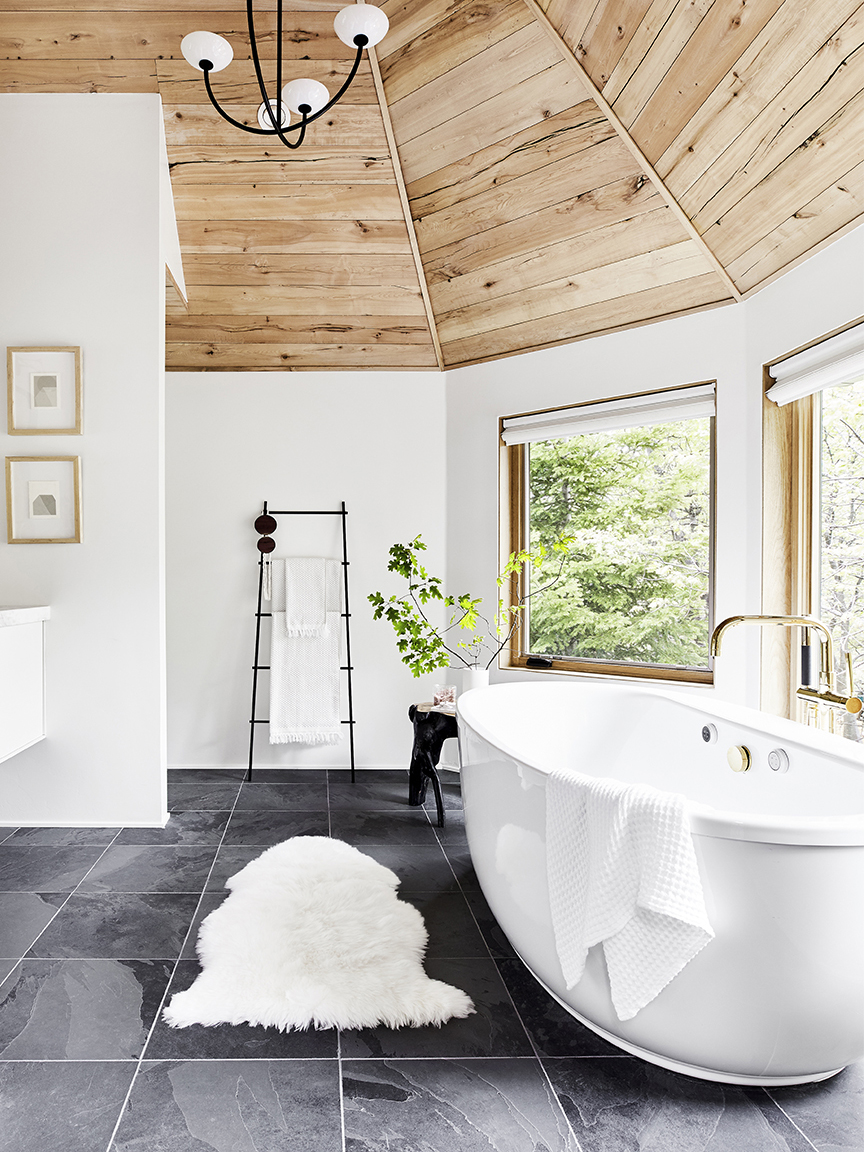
{"x":475,"y":677}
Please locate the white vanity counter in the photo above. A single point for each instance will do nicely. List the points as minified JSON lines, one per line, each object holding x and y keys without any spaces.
{"x":9,"y":617}
{"x":22,"y":678}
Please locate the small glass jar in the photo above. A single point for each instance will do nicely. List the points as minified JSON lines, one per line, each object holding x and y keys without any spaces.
{"x":444,"y":696}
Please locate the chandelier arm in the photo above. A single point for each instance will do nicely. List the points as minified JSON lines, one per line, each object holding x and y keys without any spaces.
{"x":299,"y":139}
{"x":230,"y":119}
{"x":344,"y":87}
{"x":278,"y":60}
{"x":277,"y":128}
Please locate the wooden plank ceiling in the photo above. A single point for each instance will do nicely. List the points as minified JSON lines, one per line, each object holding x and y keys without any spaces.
{"x":504,"y":175}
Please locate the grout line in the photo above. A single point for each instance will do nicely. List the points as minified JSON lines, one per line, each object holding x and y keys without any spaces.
{"x":158,"y":1012}
{"x":780,"y":1107}
{"x":341,"y":1090}
{"x":69,"y":896}
{"x":536,"y":1055}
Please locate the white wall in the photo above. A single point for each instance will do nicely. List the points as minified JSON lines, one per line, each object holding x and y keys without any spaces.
{"x":305,"y":440}
{"x":80,"y":265}
{"x":728,"y":344}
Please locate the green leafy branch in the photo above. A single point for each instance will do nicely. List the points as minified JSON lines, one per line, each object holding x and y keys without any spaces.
{"x":423,"y":646}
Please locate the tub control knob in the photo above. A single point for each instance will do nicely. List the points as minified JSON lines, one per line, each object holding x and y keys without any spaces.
{"x":778,"y":760}
{"x":739,"y":758}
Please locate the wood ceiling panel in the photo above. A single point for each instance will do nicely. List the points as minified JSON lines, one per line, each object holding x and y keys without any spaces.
{"x":247,"y":357}
{"x":565,"y":135}
{"x":614,"y":314}
{"x":825,"y":157}
{"x":508,"y":62}
{"x":235,"y":330}
{"x":128,"y":35}
{"x":570,"y":17}
{"x":355,"y":127}
{"x":307,"y":300}
{"x":728,"y":29}
{"x":670,"y":265}
{"x":555,"y":263}
{"x":297,"y":271}
{"x":180,"y":84}
{"x":554,"y":184}
{"x":494,"y":120}
{"x":287,"y":202}
{"x":311,"y":237}
{"x":467,"y":29}
{"x":196,"y":164}
{"x":202,"y":7}
{"x":790,"y":44}
{"x":654,"y":47}
{"x":78,"y":75}
{"x":806,"y":110}
{"x":607,"y":35}
{"x":622,"y":200}
{"x":825,"y":217}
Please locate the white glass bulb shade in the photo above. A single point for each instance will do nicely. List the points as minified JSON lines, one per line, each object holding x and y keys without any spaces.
{"x":305,"y":92}
{"x":198,"y":46}
{"x":264,"y":119}
{"x":361,"y":20}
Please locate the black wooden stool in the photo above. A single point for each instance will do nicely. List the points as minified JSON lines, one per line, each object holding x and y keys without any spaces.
{"x":431,"y":729}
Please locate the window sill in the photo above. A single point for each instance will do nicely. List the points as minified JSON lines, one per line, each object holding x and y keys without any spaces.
{"x":595,"y":669}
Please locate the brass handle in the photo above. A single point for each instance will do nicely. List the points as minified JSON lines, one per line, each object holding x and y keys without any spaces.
{"x":739,"y":758}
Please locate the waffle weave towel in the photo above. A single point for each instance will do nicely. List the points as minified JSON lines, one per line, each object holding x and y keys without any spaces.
{"x":304,"y":667}
{"x":309,"y":588}
{"x":622,"y":870}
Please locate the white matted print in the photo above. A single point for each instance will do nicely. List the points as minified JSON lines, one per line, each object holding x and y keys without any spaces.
{"x":43,"y":499}
{"x":44,"y":391}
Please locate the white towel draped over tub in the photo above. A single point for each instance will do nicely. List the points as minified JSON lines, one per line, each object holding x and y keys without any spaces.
{"x":304,"y":656}
{"x":622,"y":870}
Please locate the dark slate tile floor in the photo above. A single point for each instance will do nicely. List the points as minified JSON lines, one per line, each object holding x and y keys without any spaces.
{"x":98,"y":927}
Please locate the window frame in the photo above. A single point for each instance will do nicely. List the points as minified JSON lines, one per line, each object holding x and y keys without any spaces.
{"x":513,"y":522}
{"x":791,"y":487}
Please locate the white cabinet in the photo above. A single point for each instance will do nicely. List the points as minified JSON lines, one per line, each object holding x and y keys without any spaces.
{"x":22,"y":678}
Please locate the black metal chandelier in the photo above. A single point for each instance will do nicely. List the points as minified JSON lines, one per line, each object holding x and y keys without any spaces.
{"x":359,"y":26}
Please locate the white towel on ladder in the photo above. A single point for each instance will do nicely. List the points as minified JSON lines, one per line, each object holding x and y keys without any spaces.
{"x":304,"y":669}
{"x":307,"y":593}
{"x":622,"y":870}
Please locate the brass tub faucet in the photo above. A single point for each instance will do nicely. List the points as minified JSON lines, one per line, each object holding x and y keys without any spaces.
{"x":827,"y":690}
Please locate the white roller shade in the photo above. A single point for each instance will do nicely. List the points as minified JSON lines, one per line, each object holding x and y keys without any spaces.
{"x":839,"y":360}
{"x":605,"y":416}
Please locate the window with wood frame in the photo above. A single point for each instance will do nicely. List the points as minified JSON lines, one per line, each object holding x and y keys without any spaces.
{"x":813,"y":511}
{"x":631,"y":482}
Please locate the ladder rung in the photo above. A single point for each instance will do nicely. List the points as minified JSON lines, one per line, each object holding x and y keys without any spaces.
{"x":267,"y":721}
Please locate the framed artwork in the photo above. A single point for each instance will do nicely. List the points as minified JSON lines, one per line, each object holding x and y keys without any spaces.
{"x":43,"y":499}
{"x":44,"y":391}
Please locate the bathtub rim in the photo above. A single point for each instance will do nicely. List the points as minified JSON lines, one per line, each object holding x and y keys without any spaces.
{"x":705,"y":820}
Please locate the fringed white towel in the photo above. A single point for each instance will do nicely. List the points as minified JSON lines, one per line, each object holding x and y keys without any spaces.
{"x":304,"y":670}
{"x":622,"y":870}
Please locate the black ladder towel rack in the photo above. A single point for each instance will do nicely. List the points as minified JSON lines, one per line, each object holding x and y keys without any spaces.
{"x":265,"y":545}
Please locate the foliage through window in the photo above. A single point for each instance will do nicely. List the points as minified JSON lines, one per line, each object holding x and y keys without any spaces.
{"x":840,"y":569}
{"x":636,"y":584}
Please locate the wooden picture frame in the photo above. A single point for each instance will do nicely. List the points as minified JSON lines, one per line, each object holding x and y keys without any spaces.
{"x":43,"y":499}
{"x":43,"y":391}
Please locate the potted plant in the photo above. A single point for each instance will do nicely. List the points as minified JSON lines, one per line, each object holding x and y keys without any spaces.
{"x":469,"y":639}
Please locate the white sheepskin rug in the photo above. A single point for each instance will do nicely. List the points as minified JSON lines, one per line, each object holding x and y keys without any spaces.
{"x":314,"y":934}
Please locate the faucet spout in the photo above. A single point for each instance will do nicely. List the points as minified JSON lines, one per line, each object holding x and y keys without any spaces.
{"x":826,"y":676}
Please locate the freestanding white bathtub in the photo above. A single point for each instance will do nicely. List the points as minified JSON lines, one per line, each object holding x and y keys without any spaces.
{"x":778,"y":996}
